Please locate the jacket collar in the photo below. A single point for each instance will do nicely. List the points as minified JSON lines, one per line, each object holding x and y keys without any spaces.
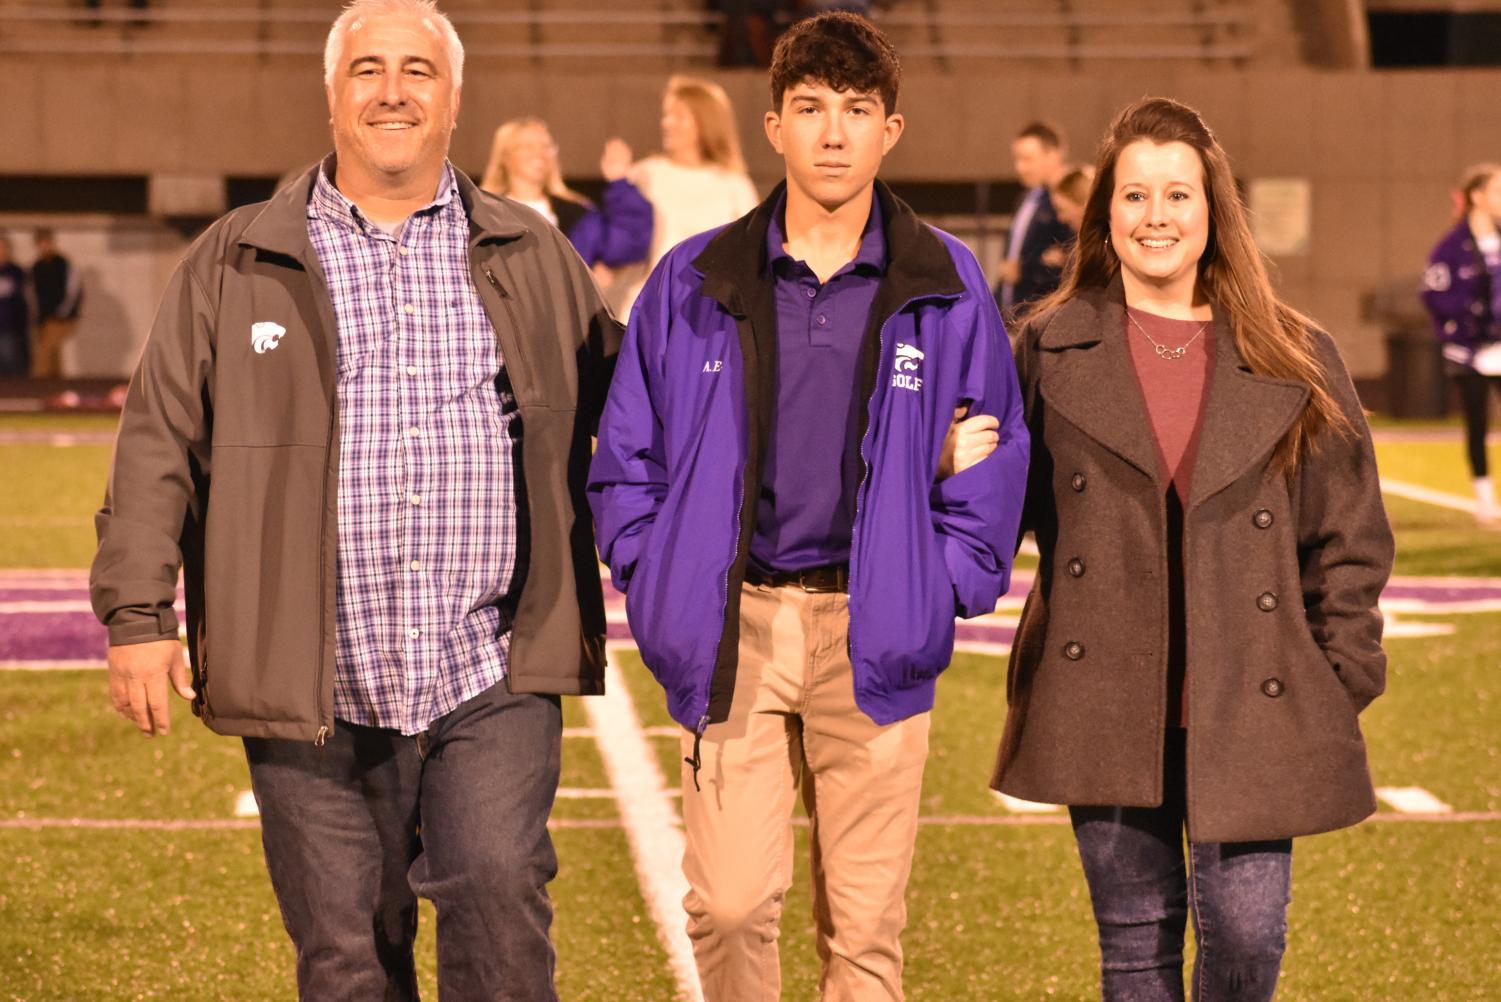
{"x":733,"y":263}
{"x":1092,"y":383}
{"x":280,"y":226}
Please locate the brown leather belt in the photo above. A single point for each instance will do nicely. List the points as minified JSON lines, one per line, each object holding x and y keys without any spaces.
{"x":829,"y":578}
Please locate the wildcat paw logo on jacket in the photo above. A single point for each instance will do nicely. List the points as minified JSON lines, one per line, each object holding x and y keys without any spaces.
{"x":265,"y":336}
{"x":908,"y":362}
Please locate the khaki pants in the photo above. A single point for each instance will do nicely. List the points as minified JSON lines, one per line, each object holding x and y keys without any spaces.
{"x":46,"y":354}
{"x":794,"y":725}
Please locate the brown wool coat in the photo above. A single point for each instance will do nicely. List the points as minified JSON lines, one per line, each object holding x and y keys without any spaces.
{"x":1283,"y":632}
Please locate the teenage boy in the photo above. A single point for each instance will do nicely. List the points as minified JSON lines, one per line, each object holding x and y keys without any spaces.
{"x":768,"y":490}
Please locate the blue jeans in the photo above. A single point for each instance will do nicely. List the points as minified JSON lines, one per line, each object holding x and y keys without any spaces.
{"x":1143,"y":894}
{"x":356,"y":830}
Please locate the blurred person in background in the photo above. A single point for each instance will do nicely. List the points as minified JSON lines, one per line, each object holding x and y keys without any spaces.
{"x":782,"y":491}
{"x":360,"y":426}
{"x":696,"y":183}
{"x":1069,"y":196}
{"x":15,"y":345}
{"x":524,"y":165}
{"x":1462,"y":291}
{"x":1038,"y":154}
{"x":58,"y":290}
{"x":1203,"y":631}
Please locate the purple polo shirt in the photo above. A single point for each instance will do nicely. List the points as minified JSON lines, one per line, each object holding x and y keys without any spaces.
{"x":812,"y":468}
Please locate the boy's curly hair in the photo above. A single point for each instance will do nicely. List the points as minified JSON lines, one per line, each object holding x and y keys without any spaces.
{"x":840,"y":49}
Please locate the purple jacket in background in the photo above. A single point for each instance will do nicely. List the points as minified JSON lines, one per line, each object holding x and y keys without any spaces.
{"x":1462,"y":295}
{"x":676,"y":474}
{"x":616,"y":232}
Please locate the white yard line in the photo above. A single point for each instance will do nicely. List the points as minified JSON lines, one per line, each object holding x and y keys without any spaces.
{"x":1427,"y":495}
{"x":43,"y":606}
{"x":1016,"y":805}
{"x":652,"y":826}
{"x":1412,"y":800}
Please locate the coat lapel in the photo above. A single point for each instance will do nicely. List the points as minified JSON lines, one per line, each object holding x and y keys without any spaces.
{"x":1091,"y":382}
{"x":1244,"y":419}
{"x":1088,"y":377}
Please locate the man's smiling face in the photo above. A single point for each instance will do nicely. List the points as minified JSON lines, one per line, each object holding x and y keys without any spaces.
{"x":392,"y":99}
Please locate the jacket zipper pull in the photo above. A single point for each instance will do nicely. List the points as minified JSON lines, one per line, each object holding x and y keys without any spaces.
{"x":490,"y":276}
{"x":697,"y":760}
{"x":322,"y":738}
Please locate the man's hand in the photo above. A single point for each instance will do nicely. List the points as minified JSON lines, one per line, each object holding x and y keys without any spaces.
{"x":968,"y":441}
{"x":616,"y":160}
{"x":138,"y":680}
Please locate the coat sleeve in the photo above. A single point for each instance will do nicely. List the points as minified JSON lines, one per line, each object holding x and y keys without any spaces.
{"x":618,"y":231}
{"x":160,"y":461}
{"x":976,"y":512}
{"x":628,"y":476}
{"x":599,"y":334}
{"x":1345,"y":544}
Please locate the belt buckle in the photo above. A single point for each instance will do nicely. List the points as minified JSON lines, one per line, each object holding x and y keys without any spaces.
{"x":820,"y":581}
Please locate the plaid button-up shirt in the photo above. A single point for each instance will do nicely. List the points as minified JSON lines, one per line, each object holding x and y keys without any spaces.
{"x":427,"y":504}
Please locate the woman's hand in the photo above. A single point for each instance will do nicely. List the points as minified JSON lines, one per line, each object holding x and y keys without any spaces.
{"x":968,"y":441}
{"x":616,"y":160}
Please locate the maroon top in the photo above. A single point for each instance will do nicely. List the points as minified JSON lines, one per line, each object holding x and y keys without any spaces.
{"x":1174,"y":390}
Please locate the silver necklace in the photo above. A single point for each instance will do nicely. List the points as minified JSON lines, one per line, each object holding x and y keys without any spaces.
{"x":1162,"y":350}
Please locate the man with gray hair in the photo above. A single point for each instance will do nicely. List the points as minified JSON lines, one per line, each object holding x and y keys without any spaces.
{"x":361,"y":427}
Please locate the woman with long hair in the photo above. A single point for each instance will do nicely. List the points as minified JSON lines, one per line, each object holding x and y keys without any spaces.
{"x":1462,"y":290}
{"x":1203,"y":628}
{"x":697,"y":182}
{"x":523,"y":165}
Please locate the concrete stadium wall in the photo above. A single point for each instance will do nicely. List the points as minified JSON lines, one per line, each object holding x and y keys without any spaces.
{"x":1381,"y":149}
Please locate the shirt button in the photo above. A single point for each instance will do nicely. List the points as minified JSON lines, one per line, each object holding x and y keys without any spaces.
{"x":822,"y":320}
{"x":409,"y":308}
{"x":416,"y":565}
{"x":810,"y":293}
{"x":411,"y":370}
{"x":414,"y":432}
{"x":415,"y":499}
{"x":405,"y":251}
{"x":414,"y":634}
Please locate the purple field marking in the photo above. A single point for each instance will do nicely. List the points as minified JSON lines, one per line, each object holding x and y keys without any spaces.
{"x":69,"y":636}
{"x":51,"y":636}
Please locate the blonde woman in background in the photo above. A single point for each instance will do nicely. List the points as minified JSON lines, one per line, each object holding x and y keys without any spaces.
{"x":697,"y":182}
{"x":523,"y":166}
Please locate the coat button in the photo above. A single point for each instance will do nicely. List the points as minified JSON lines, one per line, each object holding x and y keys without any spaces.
{"x":1076,"y":567}
{"x":1262,"y":518}
{"x":1073,"y":650}
{"x":1266,"y":601}
{"x":1078,"y":482}
{"x":1272,"y":687}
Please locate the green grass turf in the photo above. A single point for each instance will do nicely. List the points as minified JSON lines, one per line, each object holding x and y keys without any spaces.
{"x":190,"y":915}
{"x":1438,"y":464}
{"x":47,"y":507}
{"x":1386,"y":911}
{"x":64,"y":753}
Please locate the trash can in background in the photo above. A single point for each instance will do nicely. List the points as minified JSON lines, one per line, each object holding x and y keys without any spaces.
{"x":1415,"y":383}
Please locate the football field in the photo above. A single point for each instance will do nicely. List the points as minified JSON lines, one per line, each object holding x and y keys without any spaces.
{"x":131,"y":868}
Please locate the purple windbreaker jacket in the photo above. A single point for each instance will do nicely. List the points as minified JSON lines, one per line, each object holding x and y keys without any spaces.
{"x":1462,"y":296}
{"x":677,"y":468}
